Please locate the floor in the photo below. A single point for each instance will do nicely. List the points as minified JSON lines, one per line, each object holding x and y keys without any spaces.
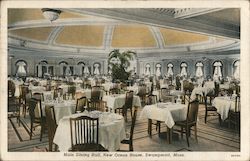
{"x":211,"y":137}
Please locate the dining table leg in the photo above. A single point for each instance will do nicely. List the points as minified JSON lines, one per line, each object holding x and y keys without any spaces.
{"x":169,"y":135}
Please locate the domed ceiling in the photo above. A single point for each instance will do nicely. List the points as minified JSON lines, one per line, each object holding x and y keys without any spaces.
{"x":84,"y":33}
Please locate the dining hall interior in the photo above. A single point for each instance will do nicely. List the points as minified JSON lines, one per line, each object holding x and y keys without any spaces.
{"x":124,"y":79}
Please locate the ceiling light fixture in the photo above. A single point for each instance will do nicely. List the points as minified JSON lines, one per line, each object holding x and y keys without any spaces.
{"x":51,"y":14}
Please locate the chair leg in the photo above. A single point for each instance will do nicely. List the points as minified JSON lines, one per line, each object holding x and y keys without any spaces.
{"x":195,"y":131}
{"x":181,"y":132}
{"x":31,"y":130}
{"x":159,"y":127}
{"x":206,"y":117}
{"x":187,"y":135}
{"x":150,"y":127}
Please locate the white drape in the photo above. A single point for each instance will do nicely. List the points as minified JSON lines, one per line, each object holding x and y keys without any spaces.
{"x":21,"y":70}
{"x":199,"y":72}
{"x":86,"y":70}
{"x":147,"y":70}
{"x":68,"y":71}
{"x":217,"y":70}
{"x":170,"y":70}
{"x":237,"y":70}
{"x":183,"y":69}
{"x":158,"y":70}
{"x":96,"y":70}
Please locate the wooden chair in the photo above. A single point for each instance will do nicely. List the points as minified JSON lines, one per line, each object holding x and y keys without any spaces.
{"x":129,"y":139}
{"x":14,"y":108}
{"x":23,"y":91}
{"x":72,"y":90}
{"x":80,"y":104}
{"x":165,"y":95}
{"x":94,"y":103}
{"x":84,"y":133}
{"x":38,"y":96}
{"x":36,"y":116}
{"x":57,"y":91}
{"x":11,"y":88}
{"x":51,"y":125}
{"x":142,"y":92}
{"x":114,"y":91}
{"x":190,"y":121}
{"x":151,"y":99}
{"x":188,"y":88}
{"x":209,"y":108}
{"x":128,"y":105}
{"x":234,"y":115}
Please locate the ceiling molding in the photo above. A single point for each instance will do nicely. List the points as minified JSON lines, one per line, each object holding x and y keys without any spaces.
{"x":149,"y":17}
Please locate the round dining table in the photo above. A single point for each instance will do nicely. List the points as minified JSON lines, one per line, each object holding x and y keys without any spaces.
{"x":111,"y":130}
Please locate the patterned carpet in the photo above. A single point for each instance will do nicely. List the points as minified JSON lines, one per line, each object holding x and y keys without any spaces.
{"x":211,"y":137}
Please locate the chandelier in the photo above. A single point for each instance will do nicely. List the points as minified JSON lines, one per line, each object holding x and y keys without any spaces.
{"x":51,"y":14}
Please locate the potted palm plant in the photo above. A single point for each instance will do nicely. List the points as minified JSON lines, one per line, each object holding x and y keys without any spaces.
{"x":119,"y":62}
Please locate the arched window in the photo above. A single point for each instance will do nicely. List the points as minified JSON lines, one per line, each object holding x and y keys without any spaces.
{"x":236,"y":69}
{"x":199,"y":69}
{"x":81,"y":66}
{"x":63,"y":67}
{"x":217,"y":70}
{"x":97,"y":68}
{"x":147,"y":70}
{"x":21,"y":67}
{"x":42,"y":68}
{"x":170,"y":72}
{"x":184,"y":69}
{"x":158,"y":70}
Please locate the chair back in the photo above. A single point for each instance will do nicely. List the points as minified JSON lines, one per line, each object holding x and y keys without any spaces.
{"x":35,"y":109}
{"x":95,"y":93}
{"x":38,"y":96}
{"x":114,"y":91}
{"x":72,"y":90}
{"x":23,"y":91}
{"x":171,"y":87}
{"x":192,"y":111}
{"x":80,"y":104}
{"x":128,"y":102}
{"x":84,"y":130}
{"x":151,"y":99}
{"x":142,"y":90}
{"x":11,"y":88}
{"x":57,"y":91}
{"x":165,"y":95}
{"x":51,"y":124}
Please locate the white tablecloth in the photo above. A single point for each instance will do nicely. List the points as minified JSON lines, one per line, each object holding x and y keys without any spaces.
{"x":87,"y":92}
{"x":209,"y":84}
{"x":111,"y":131}
{"x":167,"y":112}
{"x":117,"y":101}
{"x":17,"y":84}
{"x":224,"y":86}
{"x":200,"y":91}
{"x":176,"y":93}
{"x":65,"y":88}
{"x":65,"y":108}
{"x":37,"y":89}
{"x":223,"y":105}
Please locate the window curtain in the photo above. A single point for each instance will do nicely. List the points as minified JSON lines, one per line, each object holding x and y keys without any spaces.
{"x":170,"y":72}
{"x":147,"y":70}
{"x":21,"y":71}
{"x":217,"y":71}
{"x":237,"y":70}
{"x":96,"y":69}
{"x":199,"y":72}
{"x":158,"y":70}
{"x":184,"y":69}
